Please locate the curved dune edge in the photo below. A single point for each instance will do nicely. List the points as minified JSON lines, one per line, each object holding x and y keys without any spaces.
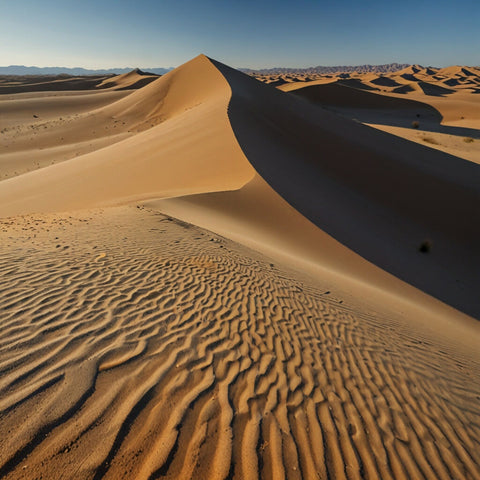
{"x":136,"y":345}
{"x":183,"y":142}
{"x":125,"y":81}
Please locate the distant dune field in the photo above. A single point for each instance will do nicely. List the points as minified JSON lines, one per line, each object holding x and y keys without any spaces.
{"x":207,"y":276}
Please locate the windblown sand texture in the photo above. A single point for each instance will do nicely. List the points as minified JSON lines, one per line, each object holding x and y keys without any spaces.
{"x":199,"y":281}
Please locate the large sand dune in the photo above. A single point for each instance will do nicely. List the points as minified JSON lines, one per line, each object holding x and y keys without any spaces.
{"x":184,"y":152}
{"x":291,"y":329}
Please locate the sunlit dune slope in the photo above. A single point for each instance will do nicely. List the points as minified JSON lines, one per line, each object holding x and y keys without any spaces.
{"x":191,"y":148}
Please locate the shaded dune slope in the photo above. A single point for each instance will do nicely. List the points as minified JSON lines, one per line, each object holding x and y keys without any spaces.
{"x":380,"y":195}
{"x":344,"y":96}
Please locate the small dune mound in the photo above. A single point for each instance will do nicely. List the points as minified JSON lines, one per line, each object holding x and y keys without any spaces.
{"x":384,"y":81}
{"x":129,"y":81}
{"x":430,"y":71}
{"x":451,"y":82}
{"x":409,"y":76}
{"x":407,"y":88}
{"x":457,"y":70}
{"x":411,"y":70}
{"x":277,"y":82}
{"x":434,"y":90}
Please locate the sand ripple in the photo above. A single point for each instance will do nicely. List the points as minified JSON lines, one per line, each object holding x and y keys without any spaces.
{"x":136,"y":346}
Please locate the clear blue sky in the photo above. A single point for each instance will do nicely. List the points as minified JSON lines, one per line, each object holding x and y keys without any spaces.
{"x":241,"y":33}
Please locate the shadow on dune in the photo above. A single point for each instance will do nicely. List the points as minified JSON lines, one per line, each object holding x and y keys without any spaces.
{"x":410,"y":77}
{"x":434,"y":90}
{"x":378,"y":194}
{"x":385,"y":82}
{"x":373,"y":108}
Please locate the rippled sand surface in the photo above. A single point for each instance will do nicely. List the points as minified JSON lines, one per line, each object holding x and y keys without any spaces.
{"x":133,"y":345}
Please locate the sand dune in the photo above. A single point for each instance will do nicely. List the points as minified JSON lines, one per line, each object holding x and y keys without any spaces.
{"x":351,"y":172}
{"x":334,"y":94}
{"x":281,"y":326}
{"x":128,"y":81}
{"x":258,"y":217}
{"x":411,"y":70}
{"x":174,"y":157}
{"x":11,"y":84}
{"x":449,"y":123}
{"x":430,"y":89}
{"x":428,"y":81}
{"x":457,"y":70}
{"x":385,"y":82}
{"x":56,"y":83}
{"x":43,"y":130}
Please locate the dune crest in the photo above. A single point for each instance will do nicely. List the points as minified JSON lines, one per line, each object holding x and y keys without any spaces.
{"x":127,"y":81}
{"x":185,"y":145}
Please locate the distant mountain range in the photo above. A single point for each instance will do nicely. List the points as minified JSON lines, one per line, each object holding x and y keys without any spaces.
{"x":387,"y":68}
{"x":23,"y":70}
{"x":77,"y":71}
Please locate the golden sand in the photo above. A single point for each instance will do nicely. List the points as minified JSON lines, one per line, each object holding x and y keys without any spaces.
{"x":206,"y":277}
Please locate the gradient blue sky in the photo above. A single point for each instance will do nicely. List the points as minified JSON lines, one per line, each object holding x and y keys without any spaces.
{"x":247,"y":33}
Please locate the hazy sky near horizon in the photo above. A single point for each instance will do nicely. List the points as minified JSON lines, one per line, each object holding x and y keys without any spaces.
{"x":241,"y":33}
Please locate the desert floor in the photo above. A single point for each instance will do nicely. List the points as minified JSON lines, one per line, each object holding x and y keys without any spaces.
{"x":207,"y":276}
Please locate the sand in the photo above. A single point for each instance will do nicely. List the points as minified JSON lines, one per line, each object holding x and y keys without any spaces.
{"x":227,"y":282}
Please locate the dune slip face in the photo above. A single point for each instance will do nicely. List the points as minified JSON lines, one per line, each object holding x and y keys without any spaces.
{"x":137,"y":346}
{"x":380,"y":195}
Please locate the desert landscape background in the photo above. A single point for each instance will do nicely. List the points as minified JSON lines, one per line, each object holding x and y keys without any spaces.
{"x":209,"y":274}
